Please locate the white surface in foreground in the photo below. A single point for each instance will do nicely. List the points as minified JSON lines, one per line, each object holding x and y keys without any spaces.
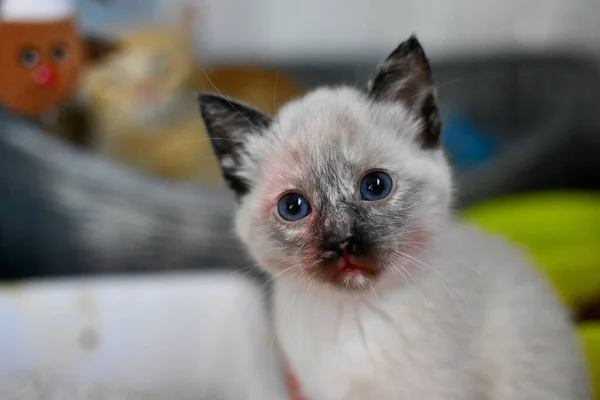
{"x":202,"y":331}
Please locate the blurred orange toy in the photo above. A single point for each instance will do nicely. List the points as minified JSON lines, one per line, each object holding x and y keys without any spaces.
{"x":41,"y":52}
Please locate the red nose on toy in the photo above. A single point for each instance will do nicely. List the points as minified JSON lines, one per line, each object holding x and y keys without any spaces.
{"x":44,"y":76}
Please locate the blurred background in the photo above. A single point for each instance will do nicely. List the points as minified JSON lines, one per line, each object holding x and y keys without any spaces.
{"x":117,"y":177}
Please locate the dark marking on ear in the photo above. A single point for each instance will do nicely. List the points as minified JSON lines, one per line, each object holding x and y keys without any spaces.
{"x":432,"y":128}
{"x":229,"y":125}
{"x":405,"y":76}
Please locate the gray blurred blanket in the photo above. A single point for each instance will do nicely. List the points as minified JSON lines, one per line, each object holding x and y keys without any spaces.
{"x":65,"y":210}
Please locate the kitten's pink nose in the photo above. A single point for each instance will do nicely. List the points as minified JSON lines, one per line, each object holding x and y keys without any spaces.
{"x":44,"y":76}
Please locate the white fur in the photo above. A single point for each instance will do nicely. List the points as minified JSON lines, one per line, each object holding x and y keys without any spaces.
{"x":468,"y":320}
{"x":387,"y":131}
{"x":479,"y":324}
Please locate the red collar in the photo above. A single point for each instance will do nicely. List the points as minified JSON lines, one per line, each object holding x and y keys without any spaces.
{"x":292,"y":383}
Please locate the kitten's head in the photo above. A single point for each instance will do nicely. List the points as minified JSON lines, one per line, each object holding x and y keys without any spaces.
{"x":142,"y":82}
{"x":343,"y":186}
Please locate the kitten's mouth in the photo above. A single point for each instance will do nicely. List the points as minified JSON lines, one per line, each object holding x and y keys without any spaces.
{"x":353,"y":272}
{"x":347,"y":266}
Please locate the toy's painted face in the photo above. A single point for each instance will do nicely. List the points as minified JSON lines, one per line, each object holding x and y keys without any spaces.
{"x":40,"y":64}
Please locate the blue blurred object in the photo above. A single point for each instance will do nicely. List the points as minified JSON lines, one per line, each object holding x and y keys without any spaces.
{"x":96,"y":15}
{"x":466,"y":146}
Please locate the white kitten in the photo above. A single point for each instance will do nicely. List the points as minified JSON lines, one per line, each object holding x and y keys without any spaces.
{"x":344,"y":198}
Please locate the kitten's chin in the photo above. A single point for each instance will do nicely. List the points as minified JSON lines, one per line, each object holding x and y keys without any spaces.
{"x":355,"y":279}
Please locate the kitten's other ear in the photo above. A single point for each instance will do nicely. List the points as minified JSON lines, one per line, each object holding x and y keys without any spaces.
{"x":405,"y":76}
{"x":230,"y":125}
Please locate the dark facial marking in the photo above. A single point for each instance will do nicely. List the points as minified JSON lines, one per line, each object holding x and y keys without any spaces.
{"x":355,"y":245}
{"x":405,"y":76}
{"x":229,"y":124}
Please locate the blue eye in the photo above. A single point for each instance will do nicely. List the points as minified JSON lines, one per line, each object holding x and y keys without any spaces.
{"x":375,"y":186}
{"x":293,"y":207}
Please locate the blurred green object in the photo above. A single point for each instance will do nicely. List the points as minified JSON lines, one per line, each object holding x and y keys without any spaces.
{"x":589,"y":337}
{"x":559,"y":230}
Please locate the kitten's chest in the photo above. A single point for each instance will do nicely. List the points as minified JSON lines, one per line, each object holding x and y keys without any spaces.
{"x":349,"y":368}
{"x":357,"y":354}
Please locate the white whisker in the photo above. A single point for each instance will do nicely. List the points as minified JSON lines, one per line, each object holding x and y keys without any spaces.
{"x":275,"y":91}
{"x":226,"y":98}
{"x":444,"y":281}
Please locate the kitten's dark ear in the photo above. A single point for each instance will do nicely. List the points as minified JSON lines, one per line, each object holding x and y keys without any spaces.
{"x":229,"y":125}
{"x":405,"y":76}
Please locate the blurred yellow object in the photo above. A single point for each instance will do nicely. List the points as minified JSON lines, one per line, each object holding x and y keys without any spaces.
{"x":589,"y":336}
{"x":560,"y":231}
